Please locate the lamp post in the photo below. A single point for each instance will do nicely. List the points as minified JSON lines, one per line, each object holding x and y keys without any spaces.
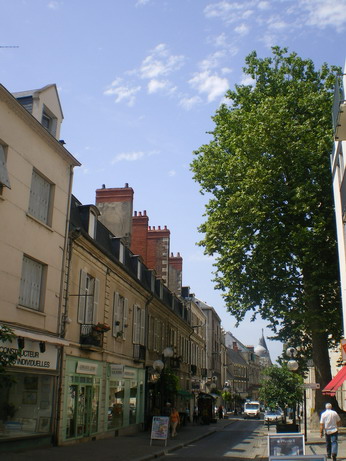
{"x":159,"y":366}
{"x":293,"y":366}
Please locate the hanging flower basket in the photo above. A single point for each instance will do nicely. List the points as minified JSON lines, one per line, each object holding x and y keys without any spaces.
{"x":101,"y":327}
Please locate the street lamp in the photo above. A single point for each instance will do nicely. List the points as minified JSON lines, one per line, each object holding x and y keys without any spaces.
{"x":159,"y":366}
{"x":293,"y":365}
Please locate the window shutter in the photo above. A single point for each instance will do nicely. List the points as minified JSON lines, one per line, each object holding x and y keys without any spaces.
{"x":136,"y":312}
{"x":82,"y":299}
{"x":96,"y":299}
{"x":116,"y":316}
{"x":142,"y":327}
{"x":4,"y":180}
{"x":125,"y":317}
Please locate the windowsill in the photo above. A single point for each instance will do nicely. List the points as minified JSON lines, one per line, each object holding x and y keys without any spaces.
{"x":28,"y":309}
{"x":39,"y":222}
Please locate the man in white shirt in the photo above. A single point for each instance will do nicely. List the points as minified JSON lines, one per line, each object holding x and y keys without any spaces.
{"x":329,"y":423}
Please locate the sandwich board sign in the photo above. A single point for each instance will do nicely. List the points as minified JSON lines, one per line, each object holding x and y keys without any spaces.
{"x":159,"y":428}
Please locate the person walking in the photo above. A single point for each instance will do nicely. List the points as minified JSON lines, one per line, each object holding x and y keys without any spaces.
{"x":329,"y":423}
{"x":174,"y":420}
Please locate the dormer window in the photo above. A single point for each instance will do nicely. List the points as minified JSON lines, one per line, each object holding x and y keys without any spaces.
{"x":49,"y":121}
{"x":92,"y":224}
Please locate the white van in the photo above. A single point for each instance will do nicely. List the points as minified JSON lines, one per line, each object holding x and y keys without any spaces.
{"x":252,"y":410}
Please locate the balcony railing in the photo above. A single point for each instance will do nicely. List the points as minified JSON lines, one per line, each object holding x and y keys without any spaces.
{"x":90,"y":336}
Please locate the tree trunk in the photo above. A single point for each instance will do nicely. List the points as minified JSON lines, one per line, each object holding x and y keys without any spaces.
{"x":323,"y":374}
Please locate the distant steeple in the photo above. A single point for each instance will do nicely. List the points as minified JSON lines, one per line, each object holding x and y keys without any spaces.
{"x":262,"y":351}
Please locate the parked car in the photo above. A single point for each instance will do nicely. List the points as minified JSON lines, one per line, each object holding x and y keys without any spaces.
{"x":272,"y":416}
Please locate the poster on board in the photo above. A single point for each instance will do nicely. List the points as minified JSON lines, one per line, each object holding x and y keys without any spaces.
{"x":159,"y":428}
{"x":299,"y":458}
{"x":286,"y":445}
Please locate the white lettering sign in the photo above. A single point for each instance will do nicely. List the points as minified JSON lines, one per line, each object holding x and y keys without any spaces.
{"x":86,"y":368}
{"x":31,"y":357}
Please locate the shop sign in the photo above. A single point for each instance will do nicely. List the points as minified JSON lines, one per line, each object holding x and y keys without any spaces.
{"x":86,"y":368}
{"x":31,"y":356}
{"x":130,"y":373}
{"x":122,"y":372}
{"x":117,"y":371}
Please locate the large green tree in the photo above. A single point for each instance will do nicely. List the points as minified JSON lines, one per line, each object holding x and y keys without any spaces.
{"x":280,"y":387}
{"x":270,"y":218}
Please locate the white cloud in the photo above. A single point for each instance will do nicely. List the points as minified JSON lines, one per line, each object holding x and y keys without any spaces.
{"x":189,"y":103}
{"x":155,"y":85}
{"x":213,"y":85}
{"x":122,"y":92}
{"x":160,"y":63}
{"x":247,"y":80}
{"x":212,"y":61}
{"x":230,"y":12}
{"x":142,"y":2}
{"x":127,"y":156}
{"x":172,"y":173}
{"x":53,"y":5}
{"x":324,"y":13}
{"x":242,"y":30}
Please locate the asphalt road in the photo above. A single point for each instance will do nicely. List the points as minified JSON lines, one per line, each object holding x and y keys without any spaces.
{"x":243,"y":440}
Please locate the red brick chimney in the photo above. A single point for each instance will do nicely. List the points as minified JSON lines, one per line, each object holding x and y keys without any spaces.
{"x":140,"y":235}
{"x":175,"y":273}
{"x":158,"y":242}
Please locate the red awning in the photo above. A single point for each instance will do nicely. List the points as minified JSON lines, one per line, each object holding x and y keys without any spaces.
{"x":335,"y":383}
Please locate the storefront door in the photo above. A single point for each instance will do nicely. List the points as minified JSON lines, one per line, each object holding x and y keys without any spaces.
{"x":83,"y":410}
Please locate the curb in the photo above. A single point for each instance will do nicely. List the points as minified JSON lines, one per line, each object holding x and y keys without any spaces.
{"x":168,"y":450}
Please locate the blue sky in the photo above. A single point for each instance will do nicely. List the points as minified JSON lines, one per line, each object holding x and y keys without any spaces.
{"x":139,"y":82}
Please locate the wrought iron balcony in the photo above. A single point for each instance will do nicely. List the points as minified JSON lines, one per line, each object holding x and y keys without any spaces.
{"x":90,"y":335}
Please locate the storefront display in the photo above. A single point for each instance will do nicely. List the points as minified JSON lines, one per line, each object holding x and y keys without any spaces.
{"x":27,"y":393}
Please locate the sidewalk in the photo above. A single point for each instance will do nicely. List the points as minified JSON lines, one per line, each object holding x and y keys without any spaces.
{"x":123,"y":448}
{"x":137,"y":447}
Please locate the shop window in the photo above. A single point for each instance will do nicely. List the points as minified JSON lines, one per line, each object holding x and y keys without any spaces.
{"x":116,"y":404}
{"x":26,"y":405}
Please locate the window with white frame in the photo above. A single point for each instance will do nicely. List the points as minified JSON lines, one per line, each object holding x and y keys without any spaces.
{"x":40,"y":198}
{"x":120,"y":315}
{"x":89,"y":288}
{"x":4,"y":179}
{"x":138,"y":325}
{"x":31,"y":282}
{"x":49,"y":121}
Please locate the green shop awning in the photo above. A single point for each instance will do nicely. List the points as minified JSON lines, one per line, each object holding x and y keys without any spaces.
{"x":185,"y":394}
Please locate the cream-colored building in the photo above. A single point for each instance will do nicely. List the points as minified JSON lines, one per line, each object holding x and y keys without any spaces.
{"x":36,"y":174}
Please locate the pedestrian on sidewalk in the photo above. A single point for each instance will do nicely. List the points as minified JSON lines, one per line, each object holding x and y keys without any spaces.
{"x":174,"y":420}
{"x":329,"y":423}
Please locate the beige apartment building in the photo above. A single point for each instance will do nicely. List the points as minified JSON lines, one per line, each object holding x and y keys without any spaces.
{"x":36,"y":174}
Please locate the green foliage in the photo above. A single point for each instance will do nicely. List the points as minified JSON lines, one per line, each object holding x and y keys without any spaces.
{"x":7,"y":358}
{"x":169,"y":382}
{"x":280,"y":387}
{"x":270,"y":218}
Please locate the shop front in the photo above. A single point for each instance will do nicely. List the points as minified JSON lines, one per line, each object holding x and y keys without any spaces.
{"x":81,"y":416}
{"x":125,"y":397}
{"x":28,"y":393}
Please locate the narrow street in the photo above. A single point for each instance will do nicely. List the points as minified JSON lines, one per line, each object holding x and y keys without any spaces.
{"x":241,"y":439}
